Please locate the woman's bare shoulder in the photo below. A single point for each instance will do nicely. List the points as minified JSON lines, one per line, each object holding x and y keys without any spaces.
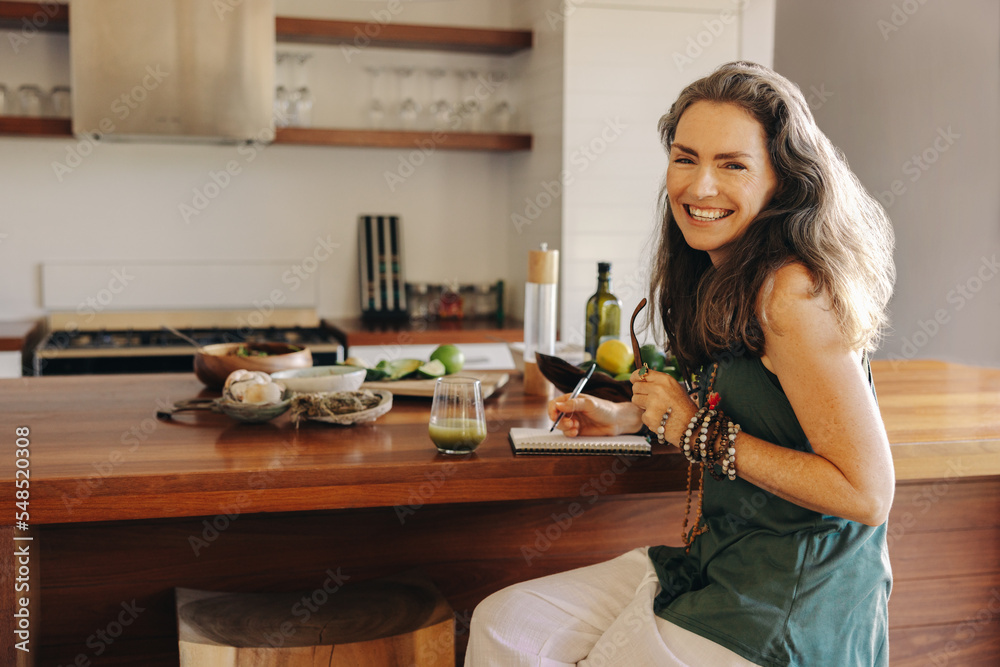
{"x":792,"y":305}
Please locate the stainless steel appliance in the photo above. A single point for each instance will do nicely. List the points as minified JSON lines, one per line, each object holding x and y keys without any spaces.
{"x":173,"y":70}
{"x":109,"y":345}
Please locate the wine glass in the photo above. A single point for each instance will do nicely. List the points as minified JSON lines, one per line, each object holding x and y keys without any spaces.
{"x":375,"y":108}
{"x":502,"y":113}
{"x":471,"y":107}
{"x":30,"y":100}
{"x":409,"y":106}
{"x":440,"y":108}
{"x":302,"y":98}
{"x":283,"y":104}
{"x":458,"y":419}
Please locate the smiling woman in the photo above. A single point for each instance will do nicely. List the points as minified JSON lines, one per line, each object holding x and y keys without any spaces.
{"x":720,"y":176}
{"x":771,"y":281}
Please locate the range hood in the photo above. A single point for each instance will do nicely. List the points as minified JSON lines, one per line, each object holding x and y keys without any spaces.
{"x":173,"y":70}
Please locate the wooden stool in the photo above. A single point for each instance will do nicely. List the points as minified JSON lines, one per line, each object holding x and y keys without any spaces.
{"x":394,"y":621}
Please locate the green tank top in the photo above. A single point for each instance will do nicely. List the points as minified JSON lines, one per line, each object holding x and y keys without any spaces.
{"x":774,"y":582}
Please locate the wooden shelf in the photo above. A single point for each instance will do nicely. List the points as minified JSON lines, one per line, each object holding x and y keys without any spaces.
{"x":471,"y":141}
{"x":15,"y":15}
{"x":22,"y":126}
{"x":55,"y":18}
{"x":49,"y":17}
{"x":35,"y":127}
{"x":396,"y":36}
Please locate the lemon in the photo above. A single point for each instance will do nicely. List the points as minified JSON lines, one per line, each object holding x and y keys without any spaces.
{"x":614,"y":357}
{"x":450,"y":356}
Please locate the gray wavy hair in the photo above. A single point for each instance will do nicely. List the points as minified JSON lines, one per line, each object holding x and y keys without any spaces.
{"x":820,"y":216}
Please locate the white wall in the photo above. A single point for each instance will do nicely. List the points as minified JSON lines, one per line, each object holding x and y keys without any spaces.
{"x":123,"y":201}
{"x":626,"y":62}
{"x":911,"y":92}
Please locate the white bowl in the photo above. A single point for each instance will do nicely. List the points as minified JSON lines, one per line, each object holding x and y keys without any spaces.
{"x":321,"y":378}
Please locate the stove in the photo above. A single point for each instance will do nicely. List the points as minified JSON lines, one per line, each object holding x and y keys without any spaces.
{"x":104,"y":348}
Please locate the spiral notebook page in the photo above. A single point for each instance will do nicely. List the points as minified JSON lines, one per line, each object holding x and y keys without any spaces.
{"x":541,"y":441}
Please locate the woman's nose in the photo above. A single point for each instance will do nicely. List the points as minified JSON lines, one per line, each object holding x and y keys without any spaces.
{"x":704,"y":184}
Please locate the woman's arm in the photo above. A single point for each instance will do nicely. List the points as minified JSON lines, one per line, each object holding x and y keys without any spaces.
{"x":851,"y":473}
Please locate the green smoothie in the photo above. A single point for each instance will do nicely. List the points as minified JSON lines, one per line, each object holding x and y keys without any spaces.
{"x":457,"y":436}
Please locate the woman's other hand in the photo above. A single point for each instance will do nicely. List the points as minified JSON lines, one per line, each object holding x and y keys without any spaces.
{"x":657,"y":392}
{"x":588,"y":415}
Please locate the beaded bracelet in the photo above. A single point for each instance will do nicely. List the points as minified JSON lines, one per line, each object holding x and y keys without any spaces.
{"x":702,"y":441}
{"x":663,"y":427}
{"x":729,"y":458}
{"x":685,"y":443}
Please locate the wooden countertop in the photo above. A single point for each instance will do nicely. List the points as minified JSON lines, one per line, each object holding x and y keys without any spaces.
{"x":98,"y":453}
{"x":943,"y":419}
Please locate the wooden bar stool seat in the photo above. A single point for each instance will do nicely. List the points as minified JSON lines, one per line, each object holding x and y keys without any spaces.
{"x":393,"y":621}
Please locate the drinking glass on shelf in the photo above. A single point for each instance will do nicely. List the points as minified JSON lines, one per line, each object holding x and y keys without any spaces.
{"x":5,"y":100}
{"x":502,"y":112}
{"x":409,"y":105}
{"x":301,"y":96}
{"x":458,"y":420}
{"x":375,"y":108}
{"x":30,"y":100}
{"x":282,"y":95}
{"x":471,"y":110}
{"x":60,"y":100}
{"x":440,"y":108}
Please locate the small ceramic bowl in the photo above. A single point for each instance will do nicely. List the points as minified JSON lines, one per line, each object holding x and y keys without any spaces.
{"x":320,"y":379}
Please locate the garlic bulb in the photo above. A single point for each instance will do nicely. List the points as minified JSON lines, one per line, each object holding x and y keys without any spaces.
{"x":246,"y":386}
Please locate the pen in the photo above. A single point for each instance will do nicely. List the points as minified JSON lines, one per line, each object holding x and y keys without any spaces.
{"x":576,"y":392}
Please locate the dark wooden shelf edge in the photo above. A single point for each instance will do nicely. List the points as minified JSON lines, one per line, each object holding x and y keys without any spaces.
{"x":55,"y":18}
{"x":401,"y":36}
{"x":47,"y":17}
{"x":474,"y":141}
{"x":23,"y":126}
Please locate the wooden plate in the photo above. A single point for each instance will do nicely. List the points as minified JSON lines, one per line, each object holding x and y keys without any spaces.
{"x":491,"y":381}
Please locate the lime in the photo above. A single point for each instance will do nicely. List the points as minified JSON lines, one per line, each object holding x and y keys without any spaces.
{"x":614,"y":356}
{"x":623,"y":376}
{"x":450,"y":356}
{"x":397,"y":369}
{"x":432,"y":369}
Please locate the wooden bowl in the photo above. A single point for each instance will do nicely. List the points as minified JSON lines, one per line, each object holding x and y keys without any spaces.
{"x":215,"y":364}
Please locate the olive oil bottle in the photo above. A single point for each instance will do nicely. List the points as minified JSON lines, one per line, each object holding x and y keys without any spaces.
{"x":603,"y":313}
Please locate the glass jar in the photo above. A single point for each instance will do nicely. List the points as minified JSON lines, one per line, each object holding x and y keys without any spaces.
{"x":418,"y":300}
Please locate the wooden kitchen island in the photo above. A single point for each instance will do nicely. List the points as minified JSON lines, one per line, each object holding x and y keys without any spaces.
{"x":125,"y":507}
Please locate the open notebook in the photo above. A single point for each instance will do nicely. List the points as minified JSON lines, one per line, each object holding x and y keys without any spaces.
{"x":540,"y":441}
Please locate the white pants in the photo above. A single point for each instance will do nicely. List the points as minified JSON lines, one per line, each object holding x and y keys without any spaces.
{"x":595,"y":616}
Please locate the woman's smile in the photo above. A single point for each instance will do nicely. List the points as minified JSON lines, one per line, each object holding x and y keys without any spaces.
{"x":720,"y":175}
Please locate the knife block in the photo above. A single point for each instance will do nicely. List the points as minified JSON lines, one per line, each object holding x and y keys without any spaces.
{"x":380,"y":269}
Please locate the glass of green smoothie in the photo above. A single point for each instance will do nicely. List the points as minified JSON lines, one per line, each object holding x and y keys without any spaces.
{"x":458,"y":420}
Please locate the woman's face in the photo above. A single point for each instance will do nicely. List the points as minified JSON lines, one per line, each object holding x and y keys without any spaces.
{"x":719,"y":177}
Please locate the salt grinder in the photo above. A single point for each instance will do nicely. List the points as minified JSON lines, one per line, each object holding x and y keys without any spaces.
{"x":539,"y":316}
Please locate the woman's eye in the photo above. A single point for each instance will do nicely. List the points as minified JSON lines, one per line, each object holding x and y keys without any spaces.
{"x":683,"y":160}
{"x":735,"y":165}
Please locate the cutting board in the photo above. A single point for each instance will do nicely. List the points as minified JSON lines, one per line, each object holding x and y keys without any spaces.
{"x":491,"y":381}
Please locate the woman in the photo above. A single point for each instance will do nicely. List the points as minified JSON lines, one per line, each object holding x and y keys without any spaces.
{"x":771,"y":279}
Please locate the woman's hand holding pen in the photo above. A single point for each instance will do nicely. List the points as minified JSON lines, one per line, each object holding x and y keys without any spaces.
{"x":657,"y":392}
{"x":587,"y":415}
